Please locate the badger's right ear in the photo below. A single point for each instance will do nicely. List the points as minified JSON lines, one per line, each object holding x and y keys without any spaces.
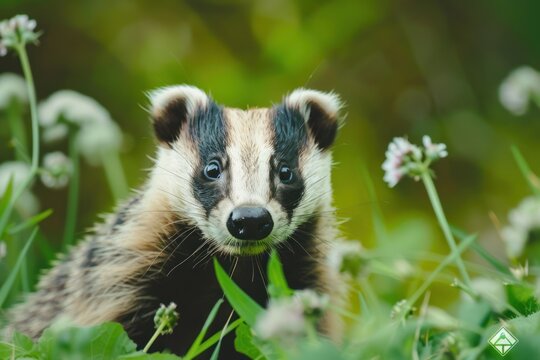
{"x":172,"y":107}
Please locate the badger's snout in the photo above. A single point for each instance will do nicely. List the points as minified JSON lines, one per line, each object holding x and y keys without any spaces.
{"x":250,"y":223}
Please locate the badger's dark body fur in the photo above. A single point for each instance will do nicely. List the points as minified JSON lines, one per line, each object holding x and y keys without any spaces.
{"x":156,"y":248}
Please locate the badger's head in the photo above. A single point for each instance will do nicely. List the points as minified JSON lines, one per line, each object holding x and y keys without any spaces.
{"x":246,"y":178}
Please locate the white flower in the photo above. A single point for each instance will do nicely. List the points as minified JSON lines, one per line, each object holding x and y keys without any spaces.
{"x":55,"y":133}
{"x":313,"y":303}
{"x":524,"y":220}
{"x":520,"y":272}
{"x":3,"y":250}
{"x":404,"y":158}
{"x":12,"y":87}
{"x":97,"y":134}
{"x":283,"y":320}
{"x":346,"y":257}
{"x":98,"y":139}
{"x":18,"y":171}
{"x":399,"y":154}
{"x":18,"y":30}
{"x":72,"y":107}
{"x":492,"y":291}
{"x":516,"y":91}
{"x":57,"y":169}
{"x":433,"y":151}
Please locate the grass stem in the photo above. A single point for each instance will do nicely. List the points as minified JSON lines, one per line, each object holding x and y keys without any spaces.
{"x":443,"y":222}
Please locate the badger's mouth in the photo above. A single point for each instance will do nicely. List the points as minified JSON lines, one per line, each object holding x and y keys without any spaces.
{"x":245,"y":248}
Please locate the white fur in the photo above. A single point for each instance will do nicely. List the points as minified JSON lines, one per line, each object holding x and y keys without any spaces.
{"x":328,"y":101}
{"x":193,"y":97}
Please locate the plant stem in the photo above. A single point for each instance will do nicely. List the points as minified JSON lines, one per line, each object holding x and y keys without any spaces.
{"x":115,"y":175}
{"x":15,"y":118}
{"x":154,"y":337}
{"x":443,"y":222}
{"x":73,"y":193}
{"x":25,"y":64}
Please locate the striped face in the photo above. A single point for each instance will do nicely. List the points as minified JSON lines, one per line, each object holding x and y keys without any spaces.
{"x":246,"y":178}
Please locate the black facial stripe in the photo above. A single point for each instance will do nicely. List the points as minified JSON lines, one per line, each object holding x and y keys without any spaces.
{"x":207,"y":129}
{"x":290,"y":137}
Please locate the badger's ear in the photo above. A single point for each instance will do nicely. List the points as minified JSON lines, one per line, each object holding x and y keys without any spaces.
{"x":172,"y":107}
{"x":320,"y":111}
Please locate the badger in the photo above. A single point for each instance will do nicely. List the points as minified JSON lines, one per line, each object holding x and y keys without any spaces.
{"x":226,"y":183}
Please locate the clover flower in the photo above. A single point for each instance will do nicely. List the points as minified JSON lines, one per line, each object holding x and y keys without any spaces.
{"x":520,"y":87}
{"x":313,"y":303}
{"x":524,"y":225}
{"x":17,"y":31}
{"x":12,"y":87}
{"x":406,"y":159}
{"x":96,"y":140}
{"x":166,"y":318}
{"x":57,"y":169}
{"x":283,"y":320}
{"x":72,"y":107}
{"x":345,"y":257}
{"x":97,"y":133}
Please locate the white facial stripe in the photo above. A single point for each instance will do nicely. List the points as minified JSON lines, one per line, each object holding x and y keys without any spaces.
{"x":249,"y":150}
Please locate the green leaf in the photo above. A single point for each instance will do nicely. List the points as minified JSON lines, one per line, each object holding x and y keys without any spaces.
{"x":277,"y":283}
{"x":101,"y":342}
{"x":195,"y":346}
{"x":4,"y":202}
{"x":244,"y":344}
{"x":34,"y":220}
{"x":22,"y":347}
{"x":246,"y":307}
{"x":212,"y":340}
{"x":5,"y":289}
{"x":522,"y":297}
{"x":529,"y":176}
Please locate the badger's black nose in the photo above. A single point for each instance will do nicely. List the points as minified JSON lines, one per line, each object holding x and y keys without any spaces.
{"x":250,"y":223}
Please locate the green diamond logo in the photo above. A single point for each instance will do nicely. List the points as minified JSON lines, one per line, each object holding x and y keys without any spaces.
{"x":503,"y":341}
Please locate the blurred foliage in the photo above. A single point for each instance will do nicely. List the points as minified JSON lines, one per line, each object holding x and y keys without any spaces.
{"x":403,"y":68}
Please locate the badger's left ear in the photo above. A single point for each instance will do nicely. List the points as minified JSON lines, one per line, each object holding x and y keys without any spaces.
{"x":320,"y":111}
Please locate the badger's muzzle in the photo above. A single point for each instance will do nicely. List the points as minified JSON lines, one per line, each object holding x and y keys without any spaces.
{"x":250,"y":223}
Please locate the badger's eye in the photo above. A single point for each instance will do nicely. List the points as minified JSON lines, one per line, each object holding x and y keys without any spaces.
{"x":285,"y":174}
{"x":212,"y":170}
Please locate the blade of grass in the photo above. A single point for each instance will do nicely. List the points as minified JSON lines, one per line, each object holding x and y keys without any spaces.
{"x":34,"y":220}
{"x":215,"y":354}
{"x":6,"y":198}
{"x":530,"y":177}
{"x":211,"y":316}
{"x":245,"y":306}
{"x":212,"y":340}
{"x":277,"y":286}
{"x":5,"y":289}
{"x":376,"y":211}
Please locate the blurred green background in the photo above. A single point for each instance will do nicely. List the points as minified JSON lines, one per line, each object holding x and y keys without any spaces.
{"x":403,"y":68}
